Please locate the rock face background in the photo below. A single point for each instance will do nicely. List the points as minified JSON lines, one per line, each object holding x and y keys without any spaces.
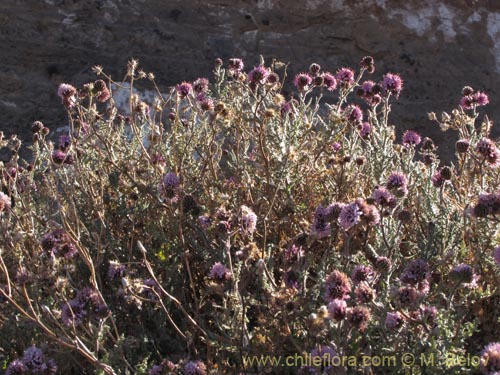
{"x":437,"y":46}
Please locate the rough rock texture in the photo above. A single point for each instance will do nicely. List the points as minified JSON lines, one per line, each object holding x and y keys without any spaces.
{"x":438,"y":46}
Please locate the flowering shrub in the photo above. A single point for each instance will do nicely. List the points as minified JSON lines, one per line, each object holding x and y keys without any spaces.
{"x":223,"y":221}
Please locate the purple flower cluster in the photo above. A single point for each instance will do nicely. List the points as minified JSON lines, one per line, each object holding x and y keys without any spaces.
{"x":490,"y":359}
{"x":59,"y":244}
{"x":370,"y":92}
{"x":337,"y":309}
{"x":169,"y":185}
{"x":353,"y":114}
{"x":321,"y":227}
{"x":200,"y":86}
{"x":101,"y":91}
{"x":219,"y":272}
{"x":259,"y":75}
{"x":302,"y":81}
{"x":359,"y":317}
{"x":416,"y":272}
{"x":345,"y":77}
{"x":235,"y":66}
{"x":411,"y":138}
{"x":393,"y":320}
{"x":463,"y":273}
{"x":4,"y":202}
{"x":324,"y":356}
{"x":60,"y":157}
{"x":164,"y":366}
{"x":361,"y":273}
{"x":248,"y":220}
{"x":116,"y":270}
{"x":398,"y":183}
{"x":350,"y":215}
{"x":195,"y":368}
{"x":384,"y":197}
{"x":183,"y":89}
{"x":33,"y":361}
{"x":87,"y":300}
{"x":337,"y":286}
{"x":392,"y":83}
{"x":365,"y":129}
{"x":488,"y":150}
{"x":472,"y":99}
{"x":356,"y":212}
{"x":487,"y":204}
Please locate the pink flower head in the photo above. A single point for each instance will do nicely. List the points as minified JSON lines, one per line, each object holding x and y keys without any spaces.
{"x":169,"y":185}
{"x":204,"y":221}
{"x":337,"y":286}
{"x":4,"y":202}
{"x":475,"y":99}
{"x":437,"y":179}
{"x":411,"y":138}
{"x":67,"y":93}
{"x":490,"y":359}
{"x":353,"y":114}
{"x":345,"y":76}
{"x":392,"y":83}
{"x":337,"y":309}
{"x":480,"y":98}
{"x":361,"y":273}
{"x":320,"y":227}
{"x":302,"y":81}
{"x":393,"y":320}
{"x":329,"y":81}
{"x":349,"y":216}
{"x":200,"y":85}
{"x":219,"y":272}
{"x":258,"y":75}
{"x":248,"y":219}
{"x":235,"y":66}
{"x":195,"y":368}
{"x":183,"y":89}
{"x":398,"y":182}
{"x":384,"y":197}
